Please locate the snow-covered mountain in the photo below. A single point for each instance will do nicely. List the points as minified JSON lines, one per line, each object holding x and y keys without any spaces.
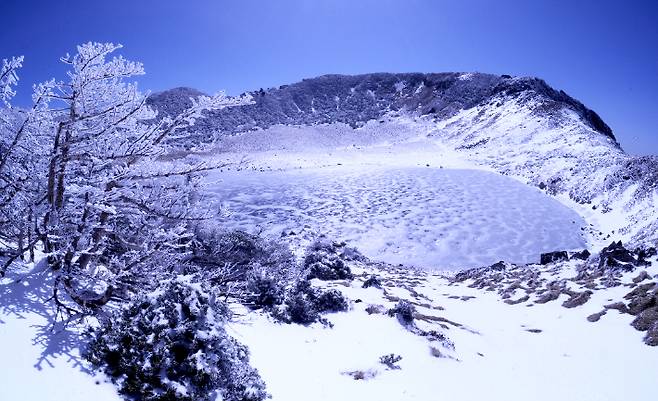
{"x":516,"y":126}
{"x":356,"y":99}
{"x":387,"y":163}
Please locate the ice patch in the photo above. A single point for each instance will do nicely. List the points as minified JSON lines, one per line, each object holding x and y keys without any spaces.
{"x":427,"y":217}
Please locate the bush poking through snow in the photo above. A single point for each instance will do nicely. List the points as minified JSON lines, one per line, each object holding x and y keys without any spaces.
{"x":404,"y":311}
{"x":331,"y":301}
{"x":372,"y":282}
{"x":215,"y":247}
{"x":261,"y":273}
{"x":247,"y":267}
{"x":390,"y":361}
{"x":172,"y":345}
{"x":325,"y":260}
{"x":304,"y":304}
{"x":375,"y":309}
{"x":362,"y":374}
{"x":265,"y":288}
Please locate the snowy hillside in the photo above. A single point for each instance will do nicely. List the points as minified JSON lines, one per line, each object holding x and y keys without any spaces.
{"x":508,"y":333}
{"x":518,"y":127}
{"x":377,"y":237}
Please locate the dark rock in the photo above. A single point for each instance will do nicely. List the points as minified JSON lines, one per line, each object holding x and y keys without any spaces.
{"x":643,"y":255}
{"x":641,"y":277}
{"x":652,"y":335}
{"x":641,"y":298}
{"x":620,"y":306}
{"x":548,"y":296}
{"x":577,"y":299}
{"x":551,"y":257}
{"x":517,"y":301}
{"x":617,"y":257}
{"x":641,"y":303}
{"x":478,"y":272}
{"x":595,"y":317}
{"x":646,"y":319}
{"x":582,"y":255}
{"x":650,"y":252}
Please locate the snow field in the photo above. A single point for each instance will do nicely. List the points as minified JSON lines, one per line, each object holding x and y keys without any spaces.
{"x":427,"y":217}
{"x":527,"y":351}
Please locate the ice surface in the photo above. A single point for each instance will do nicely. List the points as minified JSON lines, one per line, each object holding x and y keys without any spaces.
{"x":427,"y":217}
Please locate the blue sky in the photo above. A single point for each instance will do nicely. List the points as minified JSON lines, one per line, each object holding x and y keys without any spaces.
{"x":605,"y":53}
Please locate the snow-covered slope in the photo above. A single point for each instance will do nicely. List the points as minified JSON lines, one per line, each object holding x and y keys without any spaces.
{"x":501,"y":333}
{"x":519,"y":127}
{"x":560,"y":153}
{"x":567,"y":329}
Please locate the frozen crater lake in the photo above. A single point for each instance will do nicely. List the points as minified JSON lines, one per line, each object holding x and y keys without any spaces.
{"x":427,"y":217}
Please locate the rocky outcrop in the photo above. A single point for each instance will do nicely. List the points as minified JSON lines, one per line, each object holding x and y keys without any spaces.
{"x":355,"y":99}
{"x":607,"y":269}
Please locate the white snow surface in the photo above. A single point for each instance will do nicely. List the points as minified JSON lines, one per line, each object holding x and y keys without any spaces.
{"x":39,"y":360}
{"x":527,"y":351}
{"x":421,"y":216}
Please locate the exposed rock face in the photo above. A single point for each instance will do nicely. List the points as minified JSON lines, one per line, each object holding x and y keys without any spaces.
{"x":616,"y":256}
{"x":354,"y":99}
{"x":551,"y":257}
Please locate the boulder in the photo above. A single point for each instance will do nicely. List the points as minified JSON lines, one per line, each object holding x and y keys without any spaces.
{"x":652,"y":335}
{"x":615,"y":256}
{"x":646,"y":319}
{"x":551,"y":257}
{"x":641,"y":277}
{"x":582,"y":255}
{"x":577,"y":299}
{"x":641,"y":298}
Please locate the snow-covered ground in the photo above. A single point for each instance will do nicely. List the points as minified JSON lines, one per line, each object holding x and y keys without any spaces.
{"x":39,"y":360}
{"x":525,"y":351}
{"x":327,"y":177}
{"x":485,"y":345}
{"x":422,"y":216}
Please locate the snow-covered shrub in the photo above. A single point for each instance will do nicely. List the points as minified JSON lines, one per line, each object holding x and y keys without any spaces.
{"x":172,"y":345}
{"x":372,"y":282}
{"x":325,"y":260}
{"x":404,"y":311}
{"x":304,"y":304}
{"x":248,"y":267}
{"x":216,"y":246}
{"x":90,"y":167}
{"x":331,"y":301}
{"x":265,"y":287}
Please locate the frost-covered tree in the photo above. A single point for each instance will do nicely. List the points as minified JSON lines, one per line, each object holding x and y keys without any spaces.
{"x":111,"y":212}
{"x":9,"y":77}
{"x":22,"y":156}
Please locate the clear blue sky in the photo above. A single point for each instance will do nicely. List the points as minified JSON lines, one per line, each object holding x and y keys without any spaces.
{"x":604,"y":53}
